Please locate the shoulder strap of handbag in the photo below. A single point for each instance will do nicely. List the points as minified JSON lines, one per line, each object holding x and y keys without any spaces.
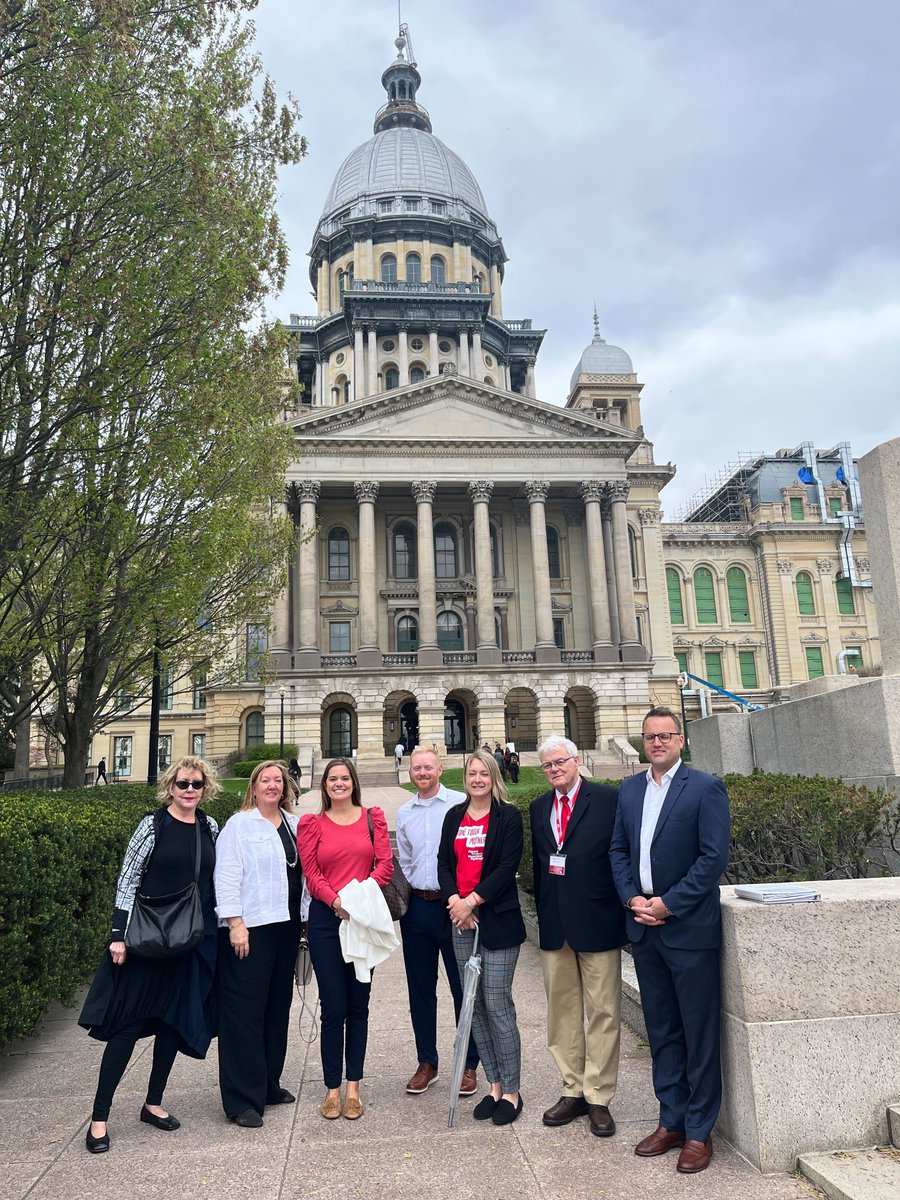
{"x":158,"y":819}
{"x":371,"y":832}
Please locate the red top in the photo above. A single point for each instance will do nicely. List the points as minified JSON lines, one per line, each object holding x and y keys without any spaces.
{"x":333,"y":854}
{"x":469,"y":847}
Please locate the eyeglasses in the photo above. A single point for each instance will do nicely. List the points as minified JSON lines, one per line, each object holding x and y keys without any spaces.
{"x":557,"y":763}
{"x":184,"y":784}
{"x":665,"y":738}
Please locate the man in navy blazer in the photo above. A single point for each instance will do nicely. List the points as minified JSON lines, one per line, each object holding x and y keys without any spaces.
{"x":582,"y":931}
{"x":669,"y":850}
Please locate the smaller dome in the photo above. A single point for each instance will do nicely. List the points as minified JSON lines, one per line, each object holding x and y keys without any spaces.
{"x":600,"y":358}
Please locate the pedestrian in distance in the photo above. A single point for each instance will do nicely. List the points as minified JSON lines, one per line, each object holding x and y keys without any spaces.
{"x":101,"y":772}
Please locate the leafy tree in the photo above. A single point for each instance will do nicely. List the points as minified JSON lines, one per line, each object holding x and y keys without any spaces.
{"x":140,"y":388}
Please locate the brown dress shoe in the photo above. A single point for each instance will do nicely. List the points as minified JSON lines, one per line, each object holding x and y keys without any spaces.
{"x":353,"y":1108}
{"x":661,"y":1141}
{"x":601,"y":1119}
{"x":424,"y":1077}
{"x":468,"y":1085}
{"x":695,"y":1156}
{"x":566,"y":1109}
{"x":331,"y":1107}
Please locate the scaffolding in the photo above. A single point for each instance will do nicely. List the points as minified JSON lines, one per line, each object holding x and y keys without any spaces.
{"x":720,"y":498}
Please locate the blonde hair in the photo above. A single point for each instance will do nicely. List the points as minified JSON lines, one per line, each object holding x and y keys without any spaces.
{"x":190,"y":762}
{"x":499,"y":794}
{"x":286,"y":801}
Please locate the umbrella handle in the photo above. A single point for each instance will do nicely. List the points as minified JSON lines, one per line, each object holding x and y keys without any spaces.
{"x":477,"y":936}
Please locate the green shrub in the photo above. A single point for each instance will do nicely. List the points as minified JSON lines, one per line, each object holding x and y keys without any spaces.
{"x":522,"y":801}
{"x":255,"y":754}
{"x":243,"y":770}
{"x":60,"y":854}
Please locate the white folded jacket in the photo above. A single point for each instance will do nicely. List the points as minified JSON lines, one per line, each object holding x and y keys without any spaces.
{"x":368,"y":937}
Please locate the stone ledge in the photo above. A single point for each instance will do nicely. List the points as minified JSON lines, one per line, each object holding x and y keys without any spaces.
{"x":854,"y":1174}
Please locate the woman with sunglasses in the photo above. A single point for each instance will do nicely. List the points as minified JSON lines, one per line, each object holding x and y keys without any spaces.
{"x":170,"y":998}
{"x":259,"y":888}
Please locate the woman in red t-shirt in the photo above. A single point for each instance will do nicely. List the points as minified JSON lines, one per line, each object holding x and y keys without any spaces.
{"x":480,"y":850}
{"x":335,"y":846}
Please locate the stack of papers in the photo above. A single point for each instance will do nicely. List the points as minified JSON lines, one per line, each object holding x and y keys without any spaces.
{"x":777,"y":893}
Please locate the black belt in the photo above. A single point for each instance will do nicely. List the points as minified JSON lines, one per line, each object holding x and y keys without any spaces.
{"x":426,"y":895}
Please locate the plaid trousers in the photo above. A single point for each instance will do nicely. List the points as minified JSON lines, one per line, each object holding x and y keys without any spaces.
{"x":494,"y":1016}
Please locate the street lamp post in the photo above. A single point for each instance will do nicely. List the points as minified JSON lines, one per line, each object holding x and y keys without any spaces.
{"x":281,"y":694}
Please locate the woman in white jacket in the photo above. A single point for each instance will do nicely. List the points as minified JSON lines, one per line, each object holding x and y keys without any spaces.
{"x":259,"y":886}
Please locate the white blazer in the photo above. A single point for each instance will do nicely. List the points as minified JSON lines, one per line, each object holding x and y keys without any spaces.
{"x":250,"y":878}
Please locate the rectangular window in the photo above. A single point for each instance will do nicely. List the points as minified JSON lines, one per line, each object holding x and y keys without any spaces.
{"x":835,"y":505}
{"x":682,"y":659}
{"x":673,"y":587}
{"x":198,"y":744}
{"x":814,"y":666}
{"x":796,"y":508}
{"x":846,"y":603}
{"x":198,"y":689}
{"x":559,"y":632}
{"x":438,"y":206}
{"x":121,"y":762}
{"x":705,"y":597}
{"x":125,"y":699}
{"x":853,"y":659}
{"x":385,"y":206}
{"x":166,"y":688}
{"x":747,"y":660}
{"x":338,"y":637}
{"x":713,"y":661}
{"x":257,"y":645}
{"x":411,"y":204}
{"x":164,"y":751}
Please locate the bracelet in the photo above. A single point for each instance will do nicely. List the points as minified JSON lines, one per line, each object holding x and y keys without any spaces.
{"x":472,"y":906}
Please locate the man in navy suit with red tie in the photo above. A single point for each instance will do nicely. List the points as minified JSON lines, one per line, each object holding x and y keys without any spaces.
{"x":669,"y":850}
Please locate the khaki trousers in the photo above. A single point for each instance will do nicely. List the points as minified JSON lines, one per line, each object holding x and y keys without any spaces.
{"x":584,"y":997}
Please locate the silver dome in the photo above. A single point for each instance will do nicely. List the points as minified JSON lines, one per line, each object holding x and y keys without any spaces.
{"x":600,"y":358}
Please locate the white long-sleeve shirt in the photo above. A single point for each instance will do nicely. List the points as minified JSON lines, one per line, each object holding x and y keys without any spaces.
{"x":419,"y":825}
{"x":250,"y":877}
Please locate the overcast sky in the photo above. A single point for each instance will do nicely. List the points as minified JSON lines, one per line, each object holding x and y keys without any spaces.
{"x":723,"y":179}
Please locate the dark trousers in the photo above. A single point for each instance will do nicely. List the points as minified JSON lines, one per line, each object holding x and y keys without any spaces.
{"x":427,"y":938}
{"x":344,"y":1001}
{"x":680,"y":999}
{"x":116,"y":1057}
{"x":255,"y":1002}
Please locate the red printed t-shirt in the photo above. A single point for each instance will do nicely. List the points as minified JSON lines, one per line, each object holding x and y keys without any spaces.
{"x":469,"y":847}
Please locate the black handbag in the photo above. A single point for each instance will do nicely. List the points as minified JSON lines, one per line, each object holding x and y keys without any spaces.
{"x":396,"y":893}
{"x":167,"y":926}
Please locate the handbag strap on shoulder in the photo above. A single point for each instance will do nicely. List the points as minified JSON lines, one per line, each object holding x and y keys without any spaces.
{"x":371,"y":832}
{"x":159,"y":818}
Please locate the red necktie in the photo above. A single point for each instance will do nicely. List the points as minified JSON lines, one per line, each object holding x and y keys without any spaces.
{"x":565,"y":811}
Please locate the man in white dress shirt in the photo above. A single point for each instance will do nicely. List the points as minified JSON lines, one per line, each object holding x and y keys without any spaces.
{"x":426,"y":930}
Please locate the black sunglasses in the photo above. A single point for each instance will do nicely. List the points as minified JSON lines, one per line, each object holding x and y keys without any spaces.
{"x":197,"y":784}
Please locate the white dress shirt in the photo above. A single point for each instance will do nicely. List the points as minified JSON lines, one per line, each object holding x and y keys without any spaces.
{"x":654,"y":798}
{"x":250,"y":876}
{"x":419,"y":825}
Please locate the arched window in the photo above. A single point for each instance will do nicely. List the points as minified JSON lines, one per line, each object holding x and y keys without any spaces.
{"x":339,"y":554}
{"x":738,"y":599}
{"x":806,"y":601}
{"x":404,"y":545}
{"x":553,"y":556}
{"x":445,"y":551}
{"x":449,"y":631}
{"x":340,"y":726}
{"x":391,"y":379}
{"x":676,"y":603}
{"x":438,"y":269}
{"x":416,"y":374}
{"x":407,"y":635}
{"x":402,"y":90}
{"x":413,"y":268}
{"x":632,"y":552}
{"x":389,"y":268}
{"x":478,"y":282}
{"x":705,"y":596}
{"x":846,"y":603}
{"x":255,"y":729}
{"x":342,"y":387}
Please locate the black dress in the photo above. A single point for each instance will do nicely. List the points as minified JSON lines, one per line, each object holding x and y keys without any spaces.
{"x":177,"y":992}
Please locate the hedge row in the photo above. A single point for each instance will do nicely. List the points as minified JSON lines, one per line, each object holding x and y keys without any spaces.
{"x":60,"y":854}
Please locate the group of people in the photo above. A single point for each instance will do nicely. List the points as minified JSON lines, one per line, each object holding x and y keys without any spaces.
{"x":506,"y":759}
{"x":638,"y":864}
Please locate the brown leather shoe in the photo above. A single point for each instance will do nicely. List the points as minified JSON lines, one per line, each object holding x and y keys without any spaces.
{"x":353,"y":1108}
{"x":566,"y":1109}
{"x":661,"y":1141}
{"x":331,"y":1107}
{"x":468,"y":1085}
{"x":601,"y":1119}
{"x":695,"y":1156}
{"x":424,"y":1077}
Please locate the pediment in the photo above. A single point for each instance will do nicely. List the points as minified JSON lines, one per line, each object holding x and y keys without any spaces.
{"x":460,"y":410}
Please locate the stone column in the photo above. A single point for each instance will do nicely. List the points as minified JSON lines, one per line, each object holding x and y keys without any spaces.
{"x":601,"y":630}
{"x":281,"y":614}
{"x":545,"y":649}
{"x":464,"y":364}
{"x":320,"y":382}
{"x":630,"y":648}
{"x":359,"y":368}
{"x":433,"y":360}
{"x":368,"y":654}
{"x":488,"y":650}
{"x":612,"y":592}
{"x":496,"y":299}
{"x":306,"y":594}
{"x":529,"y":378}
{"x":664,"y":662}
{"x":372,"y":364}
{"x":477,"y":362}
{"x":403,"y":342}
{"x":429,"y":655}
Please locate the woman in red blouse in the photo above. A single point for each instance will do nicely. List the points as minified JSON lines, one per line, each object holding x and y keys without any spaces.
{"x":335,"y":846}
{"x":479,"y":854}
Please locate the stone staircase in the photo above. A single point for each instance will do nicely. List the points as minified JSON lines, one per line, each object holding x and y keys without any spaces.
{"x":869,"y":1174}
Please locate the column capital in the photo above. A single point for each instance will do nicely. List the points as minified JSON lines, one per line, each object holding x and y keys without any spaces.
{"x":537,"y":491}
{"x":302,"y":489}
{"x":480,"y":489}
{"x":618,"y":490}
{"x":592,"y":489}
{"x":423,"y":490}
{"x":366,"y":491}
{"x":649,"y":516}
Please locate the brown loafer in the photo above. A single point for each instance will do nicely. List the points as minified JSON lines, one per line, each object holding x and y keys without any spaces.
{"x":566,"y":1109}
{"x":353,"y":1108}
{"x":661,"y":1141}
{"x":695,"y":1156}
{"x":601,"y":1120}
{"x":468,"y":1085}
{"x":424,"y":1077}
{"x":331,"y":1107}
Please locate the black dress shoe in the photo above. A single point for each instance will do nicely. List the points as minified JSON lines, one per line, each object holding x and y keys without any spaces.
{"x":96,"y":1145}
{"x":165,"y":1123}
{"x":601,"y":1119}
{"x":505,"y":1112}
{"x":250,"y":1119}
{"x":282,"y":1096}
{"x":566,"y":1109}
{"x":484,"y":1109}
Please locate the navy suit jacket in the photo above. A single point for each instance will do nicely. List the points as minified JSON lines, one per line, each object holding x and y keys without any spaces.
{"x":580,"y":908}
{"x":688,"y":855}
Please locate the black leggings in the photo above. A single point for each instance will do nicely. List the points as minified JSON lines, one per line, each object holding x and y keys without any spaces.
{"x":116,"y":1057}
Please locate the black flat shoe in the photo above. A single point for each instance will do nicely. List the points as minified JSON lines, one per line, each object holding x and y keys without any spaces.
{"x":165,"y":1123}
{"x":282,"y":1096}
{"x":96,"y":1145}
{"x":506,"y":1113}
{"x":249,"y":1119}
{"x":484,"y":1109}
